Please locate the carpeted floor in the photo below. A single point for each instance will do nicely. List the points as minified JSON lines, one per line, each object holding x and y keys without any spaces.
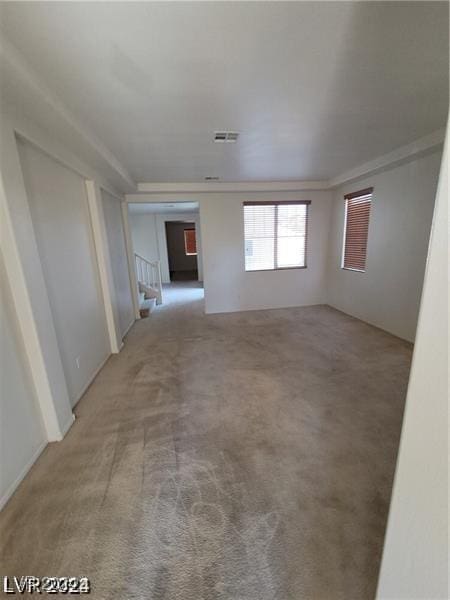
{"x":244,"y":456}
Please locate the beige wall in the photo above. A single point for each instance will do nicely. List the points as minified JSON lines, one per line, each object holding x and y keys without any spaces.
{"x":22,"y":434}
{"x":62,"y":226}
{"x":415,"y":557}
{"x":228,"y":287}
{"x":144,"y":236}
{"x":388,"y":293}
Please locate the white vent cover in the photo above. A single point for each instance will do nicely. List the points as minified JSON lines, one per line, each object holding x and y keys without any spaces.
{"x":211,"y":178}
{"x":226,"y":137}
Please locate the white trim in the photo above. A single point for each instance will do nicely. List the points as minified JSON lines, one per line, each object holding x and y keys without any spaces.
{"x":91,"y":380}
{"x":35,"y":136}
{"x":18,"y":480}
{"x":169,"y":192}
{"x":131,"y":264}
{"x":161,"y":238}
{"x":230,"y":186}
{"x":67,"y":426}
{"x":414,"y":563}
{"x":424,"y":145}
{"x":127,"y":330}
{"x":23,"y":70}
{"x":159,"y":198}
{"x":24,"y":272}
{"x":22,"y":306}
{"x":103,"y":262}
{"x":15,"y":484}
{"x":344,"y":237}
{"x":20,"y":66}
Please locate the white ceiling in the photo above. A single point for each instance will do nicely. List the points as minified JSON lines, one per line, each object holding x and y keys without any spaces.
{"x":315,"y":88}
{"x":142,"y":208}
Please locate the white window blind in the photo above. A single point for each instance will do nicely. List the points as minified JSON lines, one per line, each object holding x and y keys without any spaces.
{"x":275,"y":235}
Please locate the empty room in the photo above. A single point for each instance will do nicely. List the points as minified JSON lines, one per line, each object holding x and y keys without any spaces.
{"x":224,"y":300}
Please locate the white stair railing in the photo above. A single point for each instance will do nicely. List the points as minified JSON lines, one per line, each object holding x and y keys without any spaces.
{"x":148,"y":272}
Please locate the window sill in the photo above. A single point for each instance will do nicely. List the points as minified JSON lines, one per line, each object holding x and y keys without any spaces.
{"x":277,"y":269}
{"x":354,"y":270}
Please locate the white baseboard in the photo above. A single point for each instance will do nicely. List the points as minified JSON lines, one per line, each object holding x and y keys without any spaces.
{"x":129,"y":327}
{"x":70,"y":421}
{"x":125,"y":333}
{"x":15,"y":484}
{"x":91,"y":379}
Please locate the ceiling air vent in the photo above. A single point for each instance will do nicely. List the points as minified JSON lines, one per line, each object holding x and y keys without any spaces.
{"x":232,"y":136}
{"x":226,"y":136}
{"x":211,"y":178}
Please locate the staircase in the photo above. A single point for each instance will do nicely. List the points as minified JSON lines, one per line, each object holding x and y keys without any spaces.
{"x":148,"y":275}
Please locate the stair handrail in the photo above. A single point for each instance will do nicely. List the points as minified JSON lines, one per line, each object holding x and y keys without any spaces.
{"x":148,"y":272}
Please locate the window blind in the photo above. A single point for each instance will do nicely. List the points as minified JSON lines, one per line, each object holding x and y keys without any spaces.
{"x":190,"y":242}
{"x":357,"y":215}
{"x":275,"y":235}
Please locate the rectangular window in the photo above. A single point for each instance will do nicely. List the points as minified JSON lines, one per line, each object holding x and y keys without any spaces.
{"x":356,"y":230}
{"x":190,"y":242}
{"x":275,"y":235}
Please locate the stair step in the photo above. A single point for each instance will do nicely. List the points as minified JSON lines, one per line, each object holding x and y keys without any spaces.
{"x":146,"y":307}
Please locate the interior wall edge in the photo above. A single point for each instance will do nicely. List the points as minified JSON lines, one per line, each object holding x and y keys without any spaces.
{"x":89,"y":383}
{"x":34,"y":135}
{"x":65,"y":428}
{"x":161,"y":238}
{"x":24,"y":270}
{"x":103,"y":263}
{"x":372,"y":324}
{"x":393,"y":164}
{"x":129,"y":247}
{"x":18,"y":235}
{"x":42,"y":94}
{"x":129,"y":326}
{"x":117,"y":255}
{"x":22,"y":474}
{"x":414,"y":562}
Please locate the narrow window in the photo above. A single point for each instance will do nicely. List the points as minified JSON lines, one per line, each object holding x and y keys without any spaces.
{"x":275,"y":235}
{"x":190,"y":242}
{"x":356,"y":230}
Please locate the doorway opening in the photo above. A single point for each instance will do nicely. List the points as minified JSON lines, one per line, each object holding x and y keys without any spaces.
{"x":166,"y":241}
{"x":181,"y":238}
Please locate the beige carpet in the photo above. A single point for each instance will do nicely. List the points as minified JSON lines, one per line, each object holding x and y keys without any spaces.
{"x":246,"y":456}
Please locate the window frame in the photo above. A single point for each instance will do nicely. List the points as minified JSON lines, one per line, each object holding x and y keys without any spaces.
{"x":358,"y":194}
{"x":307,"y":203}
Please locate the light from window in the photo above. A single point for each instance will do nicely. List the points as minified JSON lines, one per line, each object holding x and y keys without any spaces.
{"x":356,"y":230}
{"x":275,"y":235}
{"x":190,"y":242}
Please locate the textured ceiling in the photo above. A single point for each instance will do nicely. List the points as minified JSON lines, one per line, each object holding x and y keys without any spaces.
{"x":315,"y":88}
